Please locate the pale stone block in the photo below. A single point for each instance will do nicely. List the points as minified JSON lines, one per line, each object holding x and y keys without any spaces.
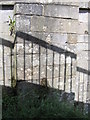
{"x":61,"y":11}
{"x":31,"y":9}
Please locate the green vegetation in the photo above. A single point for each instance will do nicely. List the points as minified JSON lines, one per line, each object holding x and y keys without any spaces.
{"x":11,"y":26}
{"x":35,"y":104}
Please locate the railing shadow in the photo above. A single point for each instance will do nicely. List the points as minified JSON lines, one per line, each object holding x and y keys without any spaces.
{"x":83,"y":81}
{"x":6,"y":60}
{"x":25,"y":40}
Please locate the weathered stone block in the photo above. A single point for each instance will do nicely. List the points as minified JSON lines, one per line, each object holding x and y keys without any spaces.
{"x":30,"y":9}
{"x":83,"y":28}
{"x":72,"y":38}
{"x":83,"y":38}
{"x":61,"y":11}
{"x":59,"y":25}
{"x":83,"y":16}
{"x":58,"y":38}
{"x":23,"y":23}
{"x":82,"y":46}
{"x":50,"y":38}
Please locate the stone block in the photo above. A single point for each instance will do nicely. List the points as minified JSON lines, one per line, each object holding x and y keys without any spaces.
{"x":82,"y":46}
{"x":83,"y":4}
{"x":59,"y":25}
{"x":82,"y":55}
{"x":61,"y":11}
{"x":83,"y":28}
{"x":37,"y":23}
{"x":23,"y":23}
{"x":30,"y":9}
{"x":58,"y":38}
{"x":50,"y":38}
{"x":83,"y":38}
{"x":83,"y":16}
{"x":72,"y":38}
{"x":4,"y":15}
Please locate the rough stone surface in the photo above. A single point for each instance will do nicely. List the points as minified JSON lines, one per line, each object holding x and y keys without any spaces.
{"x":31,"y":9}
{"x":61,"y":11}
{"x":23,"y":22}
{"x":53,"y":25}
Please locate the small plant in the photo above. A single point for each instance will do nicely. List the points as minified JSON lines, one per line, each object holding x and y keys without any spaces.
{"x":11,"y":26}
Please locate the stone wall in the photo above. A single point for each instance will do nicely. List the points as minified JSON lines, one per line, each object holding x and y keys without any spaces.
{"x":48,"y":51}
{"x":49,"y":35}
